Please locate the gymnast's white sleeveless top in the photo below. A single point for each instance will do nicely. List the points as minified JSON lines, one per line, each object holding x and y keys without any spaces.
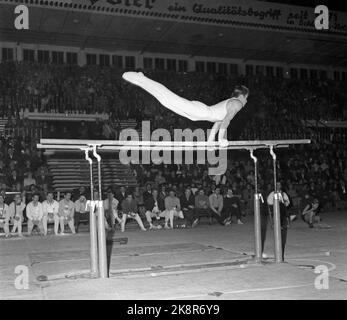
{"x":219,"y":110}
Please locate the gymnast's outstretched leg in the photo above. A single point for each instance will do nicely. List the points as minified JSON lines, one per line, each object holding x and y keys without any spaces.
{"x":192,"y":110}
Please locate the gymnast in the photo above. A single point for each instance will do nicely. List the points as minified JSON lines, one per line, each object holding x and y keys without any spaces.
{"x":221,"y":113}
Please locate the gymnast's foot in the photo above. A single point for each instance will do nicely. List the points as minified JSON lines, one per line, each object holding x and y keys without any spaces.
{"x":133,"y":77}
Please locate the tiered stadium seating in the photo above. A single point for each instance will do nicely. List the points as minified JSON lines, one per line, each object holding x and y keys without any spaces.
{"x":70,"y":173}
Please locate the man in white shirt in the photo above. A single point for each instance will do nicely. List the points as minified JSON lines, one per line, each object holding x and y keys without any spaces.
{"x":16,"y":209}
{"x":4,"y":216}
{"x":34,"y":213}
{"x":50,"y":209}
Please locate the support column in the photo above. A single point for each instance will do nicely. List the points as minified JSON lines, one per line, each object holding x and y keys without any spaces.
{"x":277,"y":228}
{"x":257,"y":222}
{"x":92,"y":224}
{"x":101,"y":224}
{"x":276,"y":213}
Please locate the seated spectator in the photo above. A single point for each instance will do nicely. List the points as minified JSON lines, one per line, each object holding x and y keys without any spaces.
{"x":78,"y":191}
{"x":173,"y":208}
{"x":129,"y":210}
{"x":26,"y":168}
{"x":138,"y":197}
{"x":81,"y":211}
{"x":66,"y":213}
{"x":34,"y":213}
{"x":310,"y":212}
{"x":4,"y":216}
{"x":111,"y":210}
{"x":11,"y":156}
{"x":148,"y":192}
{"x":216,"y":207}
{"x":155,"y":208}
{"x":293,"y":197}
{"x":201,"y":206}
{"x":188,"y":205}
{"x":13,"y":179}
{"x":231,"y":206}
{"x":121,"y":195}
{"x":50,"y":208}
{"x":29,"y":180}
{"x":194,"y":189}
{"x":42,"y":179}
{"x":162,"y":193}
{"x":159,"y":178}
{"x":16,"y":209}
{"x":2,"y":170}
{"x":18,"y":187}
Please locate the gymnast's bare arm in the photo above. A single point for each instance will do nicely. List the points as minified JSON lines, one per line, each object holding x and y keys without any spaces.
{"x":233,"y":107}
{"x":214,"y":131}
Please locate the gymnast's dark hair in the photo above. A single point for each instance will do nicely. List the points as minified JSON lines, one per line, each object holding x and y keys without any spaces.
{"x":239,"y":90}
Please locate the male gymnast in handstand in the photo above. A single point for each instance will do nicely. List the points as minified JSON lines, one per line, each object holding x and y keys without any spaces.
{"x":221,"y":113}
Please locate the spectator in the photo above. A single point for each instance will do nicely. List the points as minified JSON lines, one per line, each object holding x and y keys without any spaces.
{"x":34,"y":214}
{"x":42,"y":179}
{"x":11,"y":156}
{"x":16,"y":209}
{"x":81,"y":211}
{"x":138,"y":197}
{"x":111,"y":209}
{"x":66,"y":213}
{"x":173,"y":208}
{"x":231,"y":206}
{"x":50,"y":208}
{"x":29,"y":180}
{"x":13,"y":179}
{"x":2,"y":170}
{"x":159,"y":178}
{"x":310,"y":212}
{"x":122,"y":195}
{"x":188,"y":205}
{"x":201,"y":206}
{"x":4,"y":216}
{"x":129,"y":210}
{"x":216,"y":206}
{"x":155,"y":208}
{"x":148,"y":193}
{"x":163,"y":194}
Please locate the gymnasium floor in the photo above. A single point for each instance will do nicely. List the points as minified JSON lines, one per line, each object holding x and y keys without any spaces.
{"x":208,"y":262}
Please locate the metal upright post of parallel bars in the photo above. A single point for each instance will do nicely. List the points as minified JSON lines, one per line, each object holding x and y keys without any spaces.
{"x":94,"y":269}
{"x":101,"y":224}
{"x":276,"y":214}
{"x":257,"y":221}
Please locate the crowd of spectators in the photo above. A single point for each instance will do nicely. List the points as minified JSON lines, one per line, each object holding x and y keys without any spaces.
{"x":22,"y":166}
{"x":96,"y":89}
